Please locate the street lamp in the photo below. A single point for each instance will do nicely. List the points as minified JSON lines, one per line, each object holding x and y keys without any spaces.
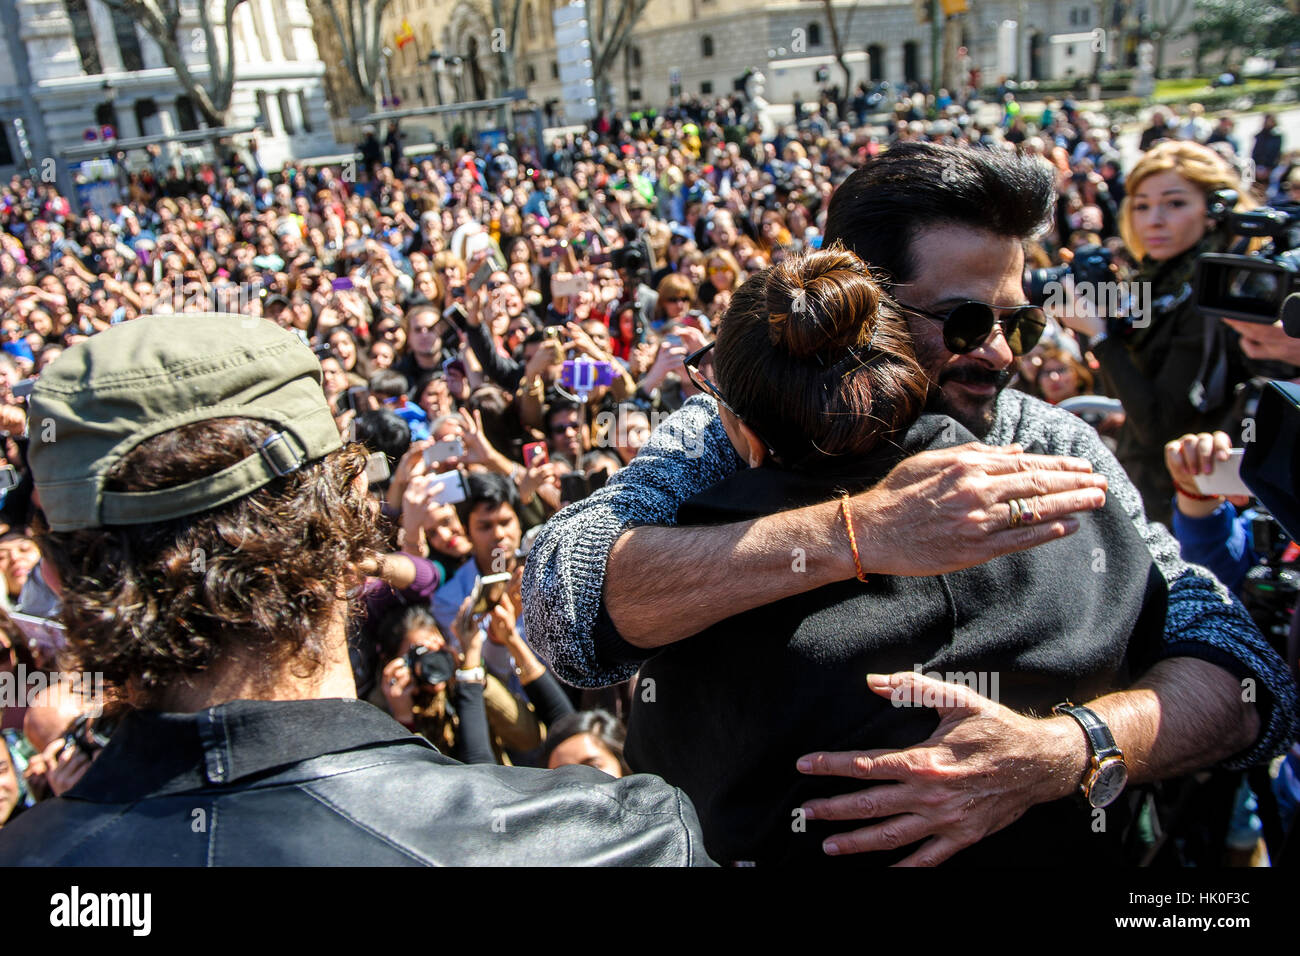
{"x":438,"y":63}
{"x":457,"y":65}
{"x":386,"y":85}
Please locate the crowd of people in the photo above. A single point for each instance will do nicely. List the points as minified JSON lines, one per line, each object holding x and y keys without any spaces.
{"x":502,"y":334}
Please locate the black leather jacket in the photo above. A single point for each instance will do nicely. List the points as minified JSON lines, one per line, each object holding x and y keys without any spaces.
{"x":331,"y":782}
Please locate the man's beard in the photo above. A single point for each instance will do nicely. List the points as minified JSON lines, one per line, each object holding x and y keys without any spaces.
{"x":978,"y":420}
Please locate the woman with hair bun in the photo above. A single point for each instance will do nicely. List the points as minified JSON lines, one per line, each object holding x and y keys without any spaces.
{"x":820,"y":395}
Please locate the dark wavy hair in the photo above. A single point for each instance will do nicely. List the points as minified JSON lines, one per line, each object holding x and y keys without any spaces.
{"x":815,"y":358}
{"x":148,"y":604}
{"x":879,"y":209}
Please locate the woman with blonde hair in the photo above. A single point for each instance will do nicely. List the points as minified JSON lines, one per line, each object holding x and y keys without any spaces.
{"x":676,"y":298}
{"x":1173,"y":370}
{"x":722,"y":275}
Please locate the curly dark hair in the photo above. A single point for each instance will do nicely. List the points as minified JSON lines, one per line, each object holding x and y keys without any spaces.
{"x":147,"y":604}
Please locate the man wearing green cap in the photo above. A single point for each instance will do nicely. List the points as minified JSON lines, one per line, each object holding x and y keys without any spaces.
{"x":208,"y":532}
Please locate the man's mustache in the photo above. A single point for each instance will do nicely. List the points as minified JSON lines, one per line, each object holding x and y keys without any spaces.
{"x":976,"y":375}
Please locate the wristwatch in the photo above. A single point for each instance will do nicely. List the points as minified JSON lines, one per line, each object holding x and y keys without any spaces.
{"x":1107,"y":773}
{"x":474,"y":674}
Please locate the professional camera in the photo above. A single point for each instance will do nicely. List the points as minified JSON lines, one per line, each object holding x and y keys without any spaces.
{"x":1270,"y":589}
{"x":430,"y":668}
{"x":634,"y":257}
{"x":1091,"y":264}
{"x":90,"y":734}
{"x":1250,"y":288}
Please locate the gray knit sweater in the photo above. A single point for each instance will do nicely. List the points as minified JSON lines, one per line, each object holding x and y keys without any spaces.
{"x":564,"y":578}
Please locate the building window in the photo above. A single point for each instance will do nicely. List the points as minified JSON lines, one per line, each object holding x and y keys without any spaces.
{"x":530,"y":73}
{"x":634,"y":94}
{"x":144,"y":109}
{"x":6,"y":151}
{"x":814,"y":34}
{"x":1069,"y":50}
{"x":185,"y":114}
{"x":286,"y":118}
{"x":706,"y":45}
{"x":106,"y":115}
{"x":635,"y":53}
{"x":306,"y":113}
{"x":911,"y":62}
{"x":84,"y":36}
{"x":706,"y":88}
{"x":128,"y":42}
{"x":530,"y":17}
{"x":264,"y":113}
{"x":876,"y":61}
{"x":555,"y":70}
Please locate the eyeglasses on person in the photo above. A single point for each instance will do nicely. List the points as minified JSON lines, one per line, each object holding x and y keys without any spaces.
{"x":706,"y":385}
{"x":968,"y":324}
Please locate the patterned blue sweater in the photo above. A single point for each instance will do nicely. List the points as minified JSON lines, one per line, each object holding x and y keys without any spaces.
{"x":567,"y":622}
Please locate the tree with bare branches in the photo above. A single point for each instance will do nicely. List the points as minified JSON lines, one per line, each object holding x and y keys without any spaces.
{"x":610,"y":23}
{"x":358,"y":25}
{"x":161,"y":20}
{"x":837,"y":44}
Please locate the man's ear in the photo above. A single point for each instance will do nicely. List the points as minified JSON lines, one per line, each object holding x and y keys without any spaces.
{"x":748,"y":445}
{"x":757,"y":448}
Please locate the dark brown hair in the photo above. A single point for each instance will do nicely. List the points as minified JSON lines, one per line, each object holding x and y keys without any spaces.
{"x":815,"y":357}
{"x":147,"y":604}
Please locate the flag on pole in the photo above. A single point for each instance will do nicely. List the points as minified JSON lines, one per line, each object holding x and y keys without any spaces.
{"x":405,"y":35}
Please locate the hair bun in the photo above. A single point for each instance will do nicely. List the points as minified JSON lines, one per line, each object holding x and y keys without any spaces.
{"x":820,"y":303}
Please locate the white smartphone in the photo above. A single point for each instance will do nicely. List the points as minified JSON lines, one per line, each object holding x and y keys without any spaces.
{"x":439,"y":452}
{"x":453,"y":489}
{"x":1225,"y":479}
{"x":377,"y":468}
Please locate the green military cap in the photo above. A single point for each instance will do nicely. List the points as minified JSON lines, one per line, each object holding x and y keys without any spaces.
{"x":103,"y":397}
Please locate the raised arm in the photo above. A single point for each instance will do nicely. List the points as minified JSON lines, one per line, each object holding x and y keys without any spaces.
{"x":609,"y":578}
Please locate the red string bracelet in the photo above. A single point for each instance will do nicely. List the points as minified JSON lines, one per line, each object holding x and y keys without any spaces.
{"x":1196,"y":496}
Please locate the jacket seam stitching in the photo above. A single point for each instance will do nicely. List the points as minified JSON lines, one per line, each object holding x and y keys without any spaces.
{"x":321,"y":798}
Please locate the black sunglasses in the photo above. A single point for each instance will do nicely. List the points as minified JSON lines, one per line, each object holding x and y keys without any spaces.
{"x":968,"y":324}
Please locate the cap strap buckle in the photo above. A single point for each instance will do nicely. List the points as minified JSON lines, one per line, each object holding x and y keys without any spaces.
{"x":281,"y":455}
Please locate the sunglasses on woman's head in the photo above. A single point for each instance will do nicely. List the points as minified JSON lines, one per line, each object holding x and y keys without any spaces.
{"x":969,"y":324}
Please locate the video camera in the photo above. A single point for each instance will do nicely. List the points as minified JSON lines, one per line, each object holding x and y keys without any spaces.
{"x":1250,"y":287}
{"x":634,"y":257}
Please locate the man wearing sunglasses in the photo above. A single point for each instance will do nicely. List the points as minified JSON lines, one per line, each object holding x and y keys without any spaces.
{"x":608,"y":581}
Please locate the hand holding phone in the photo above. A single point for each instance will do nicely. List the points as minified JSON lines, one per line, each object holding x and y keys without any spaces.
{"x":440,"y":452}
{"x":1225,"y":477}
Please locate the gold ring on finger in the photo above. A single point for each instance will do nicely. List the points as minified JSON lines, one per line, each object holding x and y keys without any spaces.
{"x":1017,"y":512}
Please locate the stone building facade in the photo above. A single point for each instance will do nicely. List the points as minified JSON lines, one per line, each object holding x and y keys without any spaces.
{"x":702,"y":47}
{"x":69,"y":68}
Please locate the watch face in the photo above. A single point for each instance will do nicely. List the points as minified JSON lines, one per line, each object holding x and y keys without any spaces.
{"x":1107,"y":784}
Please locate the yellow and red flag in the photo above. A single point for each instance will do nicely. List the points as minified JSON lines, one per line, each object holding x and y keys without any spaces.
{"x":405,"y":35}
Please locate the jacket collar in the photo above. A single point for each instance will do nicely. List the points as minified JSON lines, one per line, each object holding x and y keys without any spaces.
{"x":153,"y":753}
